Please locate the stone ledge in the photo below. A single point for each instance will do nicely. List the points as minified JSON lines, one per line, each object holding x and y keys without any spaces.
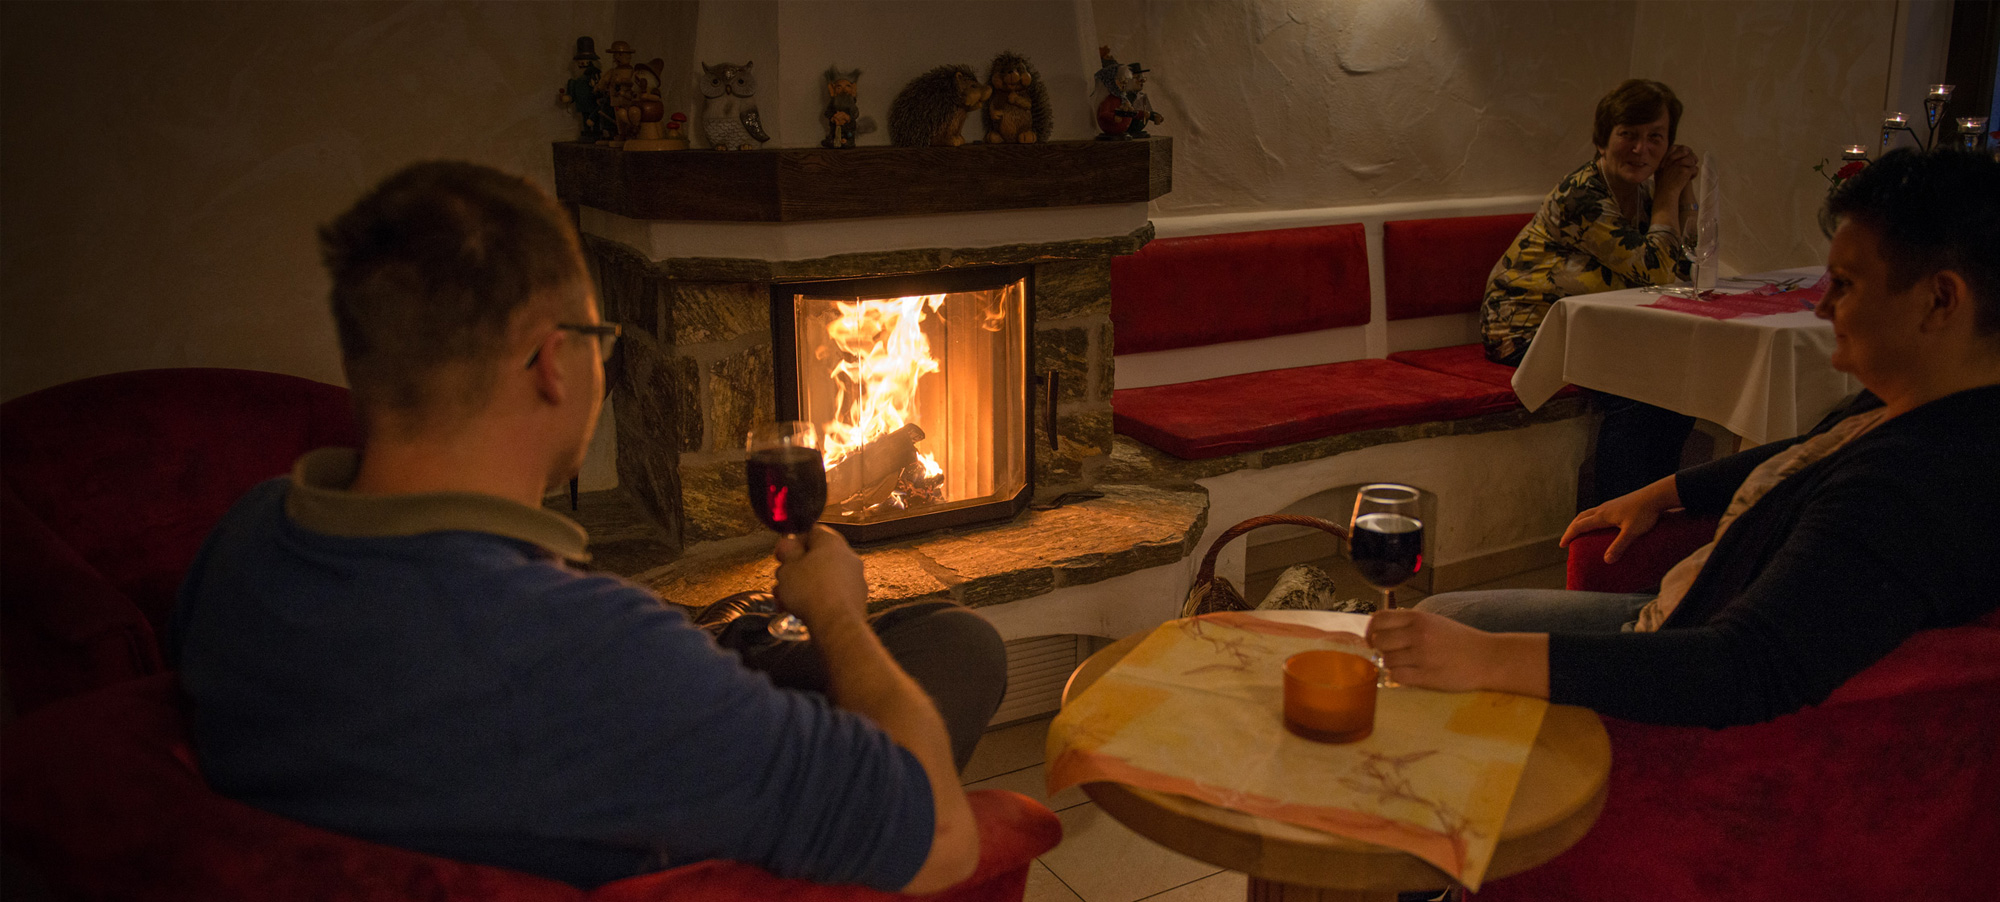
{"x":1131,"y":528}
{"x":1135,"y":461}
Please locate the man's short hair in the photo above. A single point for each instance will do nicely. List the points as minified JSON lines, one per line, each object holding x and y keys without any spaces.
{"x":429,"y":270}
{"x":1638,"y":101}
{"x":1933,"y":210}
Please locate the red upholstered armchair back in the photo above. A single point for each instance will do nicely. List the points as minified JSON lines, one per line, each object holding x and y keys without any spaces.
{"x":1886,"y":790}
{"x":110,"y":486}
{"x":1432,"y":267}
{"x":1205,"y":289}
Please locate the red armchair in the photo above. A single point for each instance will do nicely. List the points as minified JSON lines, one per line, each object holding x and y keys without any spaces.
{"x":1890,"y":789}
{"x":108,"y":488}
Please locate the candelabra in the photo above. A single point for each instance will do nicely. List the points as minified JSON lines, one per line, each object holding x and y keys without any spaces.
{"x":1934,"y":103}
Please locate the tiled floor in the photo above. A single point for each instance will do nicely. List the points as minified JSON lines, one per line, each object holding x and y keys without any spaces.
{"x":1099,"y":860}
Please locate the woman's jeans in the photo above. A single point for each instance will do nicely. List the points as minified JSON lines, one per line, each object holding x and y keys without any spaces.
{"x":1539,"y":610}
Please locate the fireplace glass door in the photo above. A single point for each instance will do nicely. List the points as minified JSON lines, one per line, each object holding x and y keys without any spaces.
{"x":920,"y":386}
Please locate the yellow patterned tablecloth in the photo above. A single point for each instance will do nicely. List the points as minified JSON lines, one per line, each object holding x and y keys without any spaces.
{"x":1196,"y":709}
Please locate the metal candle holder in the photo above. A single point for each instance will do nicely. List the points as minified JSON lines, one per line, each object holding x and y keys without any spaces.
{"x":1972,"y":130}
{"x":1934,"y":103}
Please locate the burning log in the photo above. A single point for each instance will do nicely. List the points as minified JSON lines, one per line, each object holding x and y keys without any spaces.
{"x":866,"y":478}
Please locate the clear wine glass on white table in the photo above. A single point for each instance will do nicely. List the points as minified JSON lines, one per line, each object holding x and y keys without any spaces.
{"x":1386,"y":541}
{"x":787,"y":479}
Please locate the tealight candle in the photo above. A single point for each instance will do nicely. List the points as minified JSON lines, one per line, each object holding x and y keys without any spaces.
{"x":1854,"y":152}
{"x":1896,"y":120}
{"x":1941,"y":92}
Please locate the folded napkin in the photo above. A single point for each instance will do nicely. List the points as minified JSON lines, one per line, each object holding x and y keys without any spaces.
{"x":1196,"y":709}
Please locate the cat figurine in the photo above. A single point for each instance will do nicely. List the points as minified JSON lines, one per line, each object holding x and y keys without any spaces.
{"x":1018,"y":110}
{"x":728,"y":114}
{"x":930,"y":110}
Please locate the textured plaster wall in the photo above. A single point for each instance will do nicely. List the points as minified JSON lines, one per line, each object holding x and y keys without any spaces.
{"x":1288,"y":104}
{"x":1772,"y":88}
{"x":165,"y":163}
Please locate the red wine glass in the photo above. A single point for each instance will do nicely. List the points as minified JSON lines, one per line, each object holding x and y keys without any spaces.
{"x":1386,"y":541}
{"x":787,"y":480}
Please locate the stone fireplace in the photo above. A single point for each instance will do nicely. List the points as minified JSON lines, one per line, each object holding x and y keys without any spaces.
{"x":702,"y":257}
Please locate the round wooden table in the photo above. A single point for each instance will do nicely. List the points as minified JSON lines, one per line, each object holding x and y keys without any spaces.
{"x":1559,"y":796}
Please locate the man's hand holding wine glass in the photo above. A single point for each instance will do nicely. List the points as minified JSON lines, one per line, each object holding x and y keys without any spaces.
{"x":820,"y":577}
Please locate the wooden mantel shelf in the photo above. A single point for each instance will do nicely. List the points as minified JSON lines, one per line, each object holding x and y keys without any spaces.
{"x":811,"y":184}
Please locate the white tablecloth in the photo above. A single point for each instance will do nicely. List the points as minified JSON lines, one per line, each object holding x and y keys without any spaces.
{"x":1761,"y":377}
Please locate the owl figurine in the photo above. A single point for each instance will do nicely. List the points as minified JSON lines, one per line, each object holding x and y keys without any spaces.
{"x":728,"y":114}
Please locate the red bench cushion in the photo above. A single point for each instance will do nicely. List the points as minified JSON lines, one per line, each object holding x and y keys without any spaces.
{"x":1432,"y":267}
{"x":1253,"y":411}
{"x":1466,"y":362}
{"x":1205,"y":289}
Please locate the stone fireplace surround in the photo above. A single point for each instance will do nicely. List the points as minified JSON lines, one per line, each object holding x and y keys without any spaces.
{"x":695,"y":367}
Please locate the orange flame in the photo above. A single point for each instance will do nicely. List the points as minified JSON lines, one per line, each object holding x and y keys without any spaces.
{"x":885,"y":352}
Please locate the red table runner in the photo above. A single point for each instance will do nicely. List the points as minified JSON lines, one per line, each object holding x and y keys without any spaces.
{"x":1762,"y":301}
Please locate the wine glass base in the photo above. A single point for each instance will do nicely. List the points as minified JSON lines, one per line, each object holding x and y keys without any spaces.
{"x":787,"y":628}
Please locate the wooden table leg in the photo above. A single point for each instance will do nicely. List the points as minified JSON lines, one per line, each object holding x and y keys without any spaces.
{"x":1262,"y":890}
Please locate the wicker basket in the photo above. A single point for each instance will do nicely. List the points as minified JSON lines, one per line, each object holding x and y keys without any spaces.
{"x":1212,"y":593}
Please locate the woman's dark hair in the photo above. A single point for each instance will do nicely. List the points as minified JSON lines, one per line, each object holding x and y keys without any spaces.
{"x":1933,"y":210}
{"x":1636,"y":102}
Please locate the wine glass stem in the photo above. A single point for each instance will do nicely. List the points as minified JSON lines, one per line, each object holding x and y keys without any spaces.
{"x":1388,"y":599}
{"x":1382,"y":680}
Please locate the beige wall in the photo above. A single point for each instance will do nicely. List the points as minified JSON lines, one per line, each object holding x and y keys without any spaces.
{"x":1286,"y":105}
{"x":165,"y":163}
{"x":1771,"y":89}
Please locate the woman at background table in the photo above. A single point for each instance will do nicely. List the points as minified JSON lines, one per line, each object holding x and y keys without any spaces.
{"x":1601,"y":229}
{"x":1834,"y":547}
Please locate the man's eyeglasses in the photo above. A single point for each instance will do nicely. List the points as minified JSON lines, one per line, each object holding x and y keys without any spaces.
{"x":605,"y":333}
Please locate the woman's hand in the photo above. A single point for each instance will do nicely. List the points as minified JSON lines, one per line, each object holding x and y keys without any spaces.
{"x":1632,"y":514}
{"x":1676,"y":171}
{"x":1421,"y":649}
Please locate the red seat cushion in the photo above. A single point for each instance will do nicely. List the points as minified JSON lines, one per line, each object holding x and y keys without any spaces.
{"x":1253,"y":411}
{"x":1466,"y":362}
{"x":1205,"y":289}
{"x":1432,"y":267}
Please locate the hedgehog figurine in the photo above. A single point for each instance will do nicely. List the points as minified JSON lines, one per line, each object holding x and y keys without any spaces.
{"x":1018,"y":112}
{"x":930,"y":110}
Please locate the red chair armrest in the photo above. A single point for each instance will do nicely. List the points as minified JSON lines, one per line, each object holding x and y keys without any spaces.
{"x":1676,"y":536}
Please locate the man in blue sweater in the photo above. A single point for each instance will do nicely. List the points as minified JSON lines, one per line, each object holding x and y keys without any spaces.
{"x":391,"y":643}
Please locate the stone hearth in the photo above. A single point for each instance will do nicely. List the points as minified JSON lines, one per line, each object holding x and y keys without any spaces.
{"x":1130,"y":528}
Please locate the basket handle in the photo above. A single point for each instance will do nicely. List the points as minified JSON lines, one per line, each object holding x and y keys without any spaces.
{"x":1207,"y":572}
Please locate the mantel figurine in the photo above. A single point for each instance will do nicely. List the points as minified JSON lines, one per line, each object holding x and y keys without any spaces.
{"x":1018,"y":110}
{"x":654,"y":133}
{"x":729,"y":115}
{"x":1142,"y":106}
{"x":930,"y":110}
{"x":1114,"y":112}
{"x":580,"y":94}
{"x":843,"y":111}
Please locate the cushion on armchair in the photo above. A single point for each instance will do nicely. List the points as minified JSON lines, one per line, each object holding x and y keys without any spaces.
{"x":104,"y":799}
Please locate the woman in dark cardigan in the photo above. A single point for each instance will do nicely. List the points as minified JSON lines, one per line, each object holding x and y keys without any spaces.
{"x":1834,"y":546}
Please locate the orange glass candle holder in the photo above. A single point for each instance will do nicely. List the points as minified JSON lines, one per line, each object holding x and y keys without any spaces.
{"x":1329,"y":696}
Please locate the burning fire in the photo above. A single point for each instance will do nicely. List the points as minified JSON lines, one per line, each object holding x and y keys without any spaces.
{"x":884,"y":354}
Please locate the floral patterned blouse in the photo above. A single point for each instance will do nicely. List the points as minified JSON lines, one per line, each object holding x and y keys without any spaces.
{"x":1578,"y":243}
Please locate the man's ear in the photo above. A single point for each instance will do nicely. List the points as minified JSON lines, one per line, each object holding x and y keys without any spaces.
{"x":1951,"y":297}
{"x":546,"y":368}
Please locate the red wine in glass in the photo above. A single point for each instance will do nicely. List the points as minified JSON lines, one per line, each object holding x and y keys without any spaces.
{"x":1386,"y":541}
{"x":787,"y":488}
{"x":787,"y":481}
{"x":1388,"y":548}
